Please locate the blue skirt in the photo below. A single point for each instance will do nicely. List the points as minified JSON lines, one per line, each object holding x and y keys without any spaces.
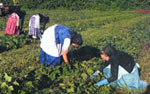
{"x":48,"y":60}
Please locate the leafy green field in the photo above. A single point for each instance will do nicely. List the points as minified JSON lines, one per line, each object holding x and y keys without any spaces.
{"x":22,"y":73}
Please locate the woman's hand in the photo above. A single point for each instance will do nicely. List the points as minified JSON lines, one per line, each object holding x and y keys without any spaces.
{"x":98,"y":71}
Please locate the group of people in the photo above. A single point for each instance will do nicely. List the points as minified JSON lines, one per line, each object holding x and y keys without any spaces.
{"x":16,"y":19}
{"x":118,"y":67}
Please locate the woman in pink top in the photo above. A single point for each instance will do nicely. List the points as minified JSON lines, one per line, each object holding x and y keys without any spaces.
{"x":12,"y":26}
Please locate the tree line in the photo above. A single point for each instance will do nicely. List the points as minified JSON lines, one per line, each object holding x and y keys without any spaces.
{"x":82,"y":4}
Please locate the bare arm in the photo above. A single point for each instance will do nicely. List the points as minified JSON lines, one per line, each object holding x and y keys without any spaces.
{"x":64,"y":53}
{"x":65,"y":50}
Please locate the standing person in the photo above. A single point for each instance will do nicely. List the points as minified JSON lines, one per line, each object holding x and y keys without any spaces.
{"x":55,"y":43}
{"x":119,"y":68}
{"x":12,"y":26}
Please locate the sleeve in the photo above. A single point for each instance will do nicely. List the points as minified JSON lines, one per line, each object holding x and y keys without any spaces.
{"x":66,"y":44}
{"x":114,"y":70}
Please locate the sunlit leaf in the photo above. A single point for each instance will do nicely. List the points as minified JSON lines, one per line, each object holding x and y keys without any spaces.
{"x":8,"y":78}
{"x":29,"y":84}
{"x":70,"y":90}
{"x":10,"y":88}
{"x":16,"y":83}
{"x":4,"y":85}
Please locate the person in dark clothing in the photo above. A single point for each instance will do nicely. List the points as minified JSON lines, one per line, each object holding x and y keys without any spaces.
{"x":119,"y":68}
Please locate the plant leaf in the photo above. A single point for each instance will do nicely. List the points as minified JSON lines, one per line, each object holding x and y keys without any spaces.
{"x":8,"y":78}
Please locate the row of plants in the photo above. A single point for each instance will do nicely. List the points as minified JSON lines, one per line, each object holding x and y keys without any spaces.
{"x":80,"y":4}
{"x":80,"y":20}
{"x":8,"y":42}
{"x":126,"y":36}
{"x":98,"y":22}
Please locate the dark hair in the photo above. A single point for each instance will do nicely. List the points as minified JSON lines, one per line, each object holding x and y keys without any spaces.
{"x":40,"y":14}
{"x":43,"y":19}
{"x":109,"y":50}
{"x":76,"y":38}
{"x":16,"y":11}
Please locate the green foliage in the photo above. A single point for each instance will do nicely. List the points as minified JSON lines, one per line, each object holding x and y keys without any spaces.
{"x":3,"y":21}
{"x":126,"y":30}
{"x":8,"y":42}
{"x":15,"y":2}
{"x":80,"y":4}
{"x":84,"y":4}
{"x":7,"y":84}
{"x":7,"y":2}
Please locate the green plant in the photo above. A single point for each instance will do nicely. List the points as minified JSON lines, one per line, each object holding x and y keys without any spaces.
{"x":7,"y":85}
{"x":125,"y":30}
